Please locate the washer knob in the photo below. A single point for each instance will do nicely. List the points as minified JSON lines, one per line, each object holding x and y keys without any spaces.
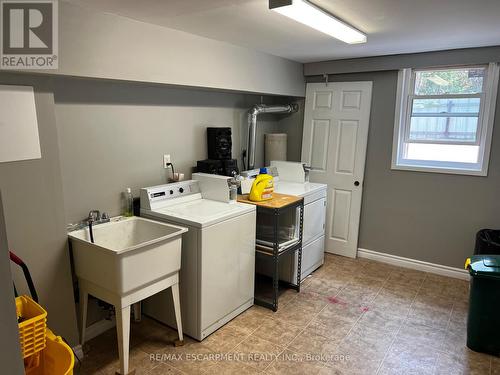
{"x":181,"y":190}
{"x":171,"y":192}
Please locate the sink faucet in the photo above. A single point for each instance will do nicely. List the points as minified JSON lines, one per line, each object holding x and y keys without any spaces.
{"x":94,"y":215}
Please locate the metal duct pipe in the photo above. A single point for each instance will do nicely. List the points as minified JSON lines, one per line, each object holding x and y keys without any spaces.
{"x":252,"y":125}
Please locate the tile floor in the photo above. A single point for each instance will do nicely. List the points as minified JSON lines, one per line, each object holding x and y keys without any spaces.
{"x":351,"y":317}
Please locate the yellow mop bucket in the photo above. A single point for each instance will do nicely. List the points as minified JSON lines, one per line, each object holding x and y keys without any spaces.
{"x":56,"y":359}
{"x":31,"y":319}
{"x":44,"y":353}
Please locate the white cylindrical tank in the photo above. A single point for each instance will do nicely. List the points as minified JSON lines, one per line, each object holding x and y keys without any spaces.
{"x":275,"y":147}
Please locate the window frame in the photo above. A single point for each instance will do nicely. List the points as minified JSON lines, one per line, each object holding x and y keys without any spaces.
{"x":404,"y":101}
{"x":412,"y":96}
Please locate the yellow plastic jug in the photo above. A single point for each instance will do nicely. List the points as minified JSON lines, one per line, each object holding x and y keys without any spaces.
{"x":262,"y":187}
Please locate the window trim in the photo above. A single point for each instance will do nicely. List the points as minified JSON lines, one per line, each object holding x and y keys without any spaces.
{"x":485,"y":125}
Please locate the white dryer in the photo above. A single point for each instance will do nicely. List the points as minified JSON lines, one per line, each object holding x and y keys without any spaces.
{"x":290,"y":178}
{"x":218,"y":253}
{"x":313,"y":233}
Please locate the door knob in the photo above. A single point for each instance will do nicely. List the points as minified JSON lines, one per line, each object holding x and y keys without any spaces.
{"x":356,"y":183}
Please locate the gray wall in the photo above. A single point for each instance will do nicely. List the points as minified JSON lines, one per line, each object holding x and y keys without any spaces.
{"x":482,"y":55}
{"x":431,"y":217}
{"x":34,"y":215}
{"x":98,"y":138}
{"x":294,"y":124}
{"x":102,"y":45}
{"x":10,"y":350}
{"x":113,"y":135}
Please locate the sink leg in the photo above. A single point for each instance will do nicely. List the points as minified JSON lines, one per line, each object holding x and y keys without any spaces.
{"x":137,"y":311}
{"x":84,"y":299}
{"x":123,"y":331}
{"x":177,"y":307}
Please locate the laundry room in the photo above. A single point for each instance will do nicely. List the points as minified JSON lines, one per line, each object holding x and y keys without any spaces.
{"x":264,"y":186}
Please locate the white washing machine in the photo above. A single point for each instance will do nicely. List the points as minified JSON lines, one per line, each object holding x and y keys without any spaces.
{"x":218,"y":253}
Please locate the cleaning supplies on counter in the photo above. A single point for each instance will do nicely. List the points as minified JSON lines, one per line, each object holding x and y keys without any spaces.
{"x":128,"y":203}
{"x":262,"y":187}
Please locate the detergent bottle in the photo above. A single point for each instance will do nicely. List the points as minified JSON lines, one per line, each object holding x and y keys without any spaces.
{"x":262,"y":187}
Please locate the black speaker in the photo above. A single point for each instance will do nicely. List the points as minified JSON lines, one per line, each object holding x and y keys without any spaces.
{"x":210,"y":166}
{"x":230,"y":167}
{"x":219,"y":143}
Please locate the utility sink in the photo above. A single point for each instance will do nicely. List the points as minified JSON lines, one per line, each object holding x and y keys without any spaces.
{"x":127,"y":253}
{"x":130,"y":260}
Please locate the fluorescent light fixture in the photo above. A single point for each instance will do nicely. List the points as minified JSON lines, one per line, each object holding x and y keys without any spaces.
{"x":304,"y":12}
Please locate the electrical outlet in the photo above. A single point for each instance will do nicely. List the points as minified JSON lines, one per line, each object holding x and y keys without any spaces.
{"x":166,"y":160}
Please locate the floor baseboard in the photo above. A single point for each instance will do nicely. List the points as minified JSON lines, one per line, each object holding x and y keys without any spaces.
{"x":98,"y":327}
{"x":78,"y":350}
{"x":414,"y":264}
{"x":94,"y":330}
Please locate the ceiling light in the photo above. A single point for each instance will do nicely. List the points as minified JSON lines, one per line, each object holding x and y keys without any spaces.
{"x":304,"y":12}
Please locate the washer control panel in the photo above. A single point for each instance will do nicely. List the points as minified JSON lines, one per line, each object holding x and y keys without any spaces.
{"x":155,"y":195}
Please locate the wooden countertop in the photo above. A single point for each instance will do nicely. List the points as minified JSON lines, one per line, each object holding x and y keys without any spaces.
{"x":278,"y":200}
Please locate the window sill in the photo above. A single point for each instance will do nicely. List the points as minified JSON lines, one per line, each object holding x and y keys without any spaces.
{"x":445,"y":170}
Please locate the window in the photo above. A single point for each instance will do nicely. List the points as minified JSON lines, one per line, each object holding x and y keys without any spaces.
{"x":444,"y":119}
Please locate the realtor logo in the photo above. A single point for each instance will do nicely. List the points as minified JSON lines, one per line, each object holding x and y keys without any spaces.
{"x":29,"y":37}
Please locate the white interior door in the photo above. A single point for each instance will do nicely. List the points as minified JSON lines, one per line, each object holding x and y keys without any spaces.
{"x":336,"y":123}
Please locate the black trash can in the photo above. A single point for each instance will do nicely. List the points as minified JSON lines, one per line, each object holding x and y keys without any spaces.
{"x":487,"y":242}
{"x":483,"y":322}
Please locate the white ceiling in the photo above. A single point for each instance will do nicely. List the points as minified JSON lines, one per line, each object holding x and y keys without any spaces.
{"x":393,"y":26}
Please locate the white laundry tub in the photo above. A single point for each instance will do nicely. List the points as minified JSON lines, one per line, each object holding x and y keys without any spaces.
{"x":127,"y":253}
{"x":130,"y":259}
